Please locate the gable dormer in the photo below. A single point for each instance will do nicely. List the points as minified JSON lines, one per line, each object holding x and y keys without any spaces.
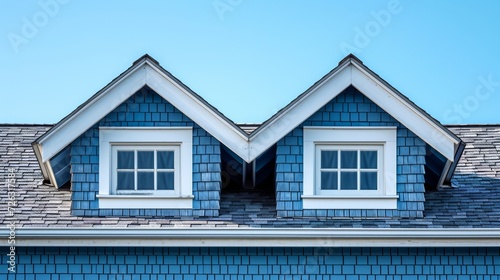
{"x":350,"y":146}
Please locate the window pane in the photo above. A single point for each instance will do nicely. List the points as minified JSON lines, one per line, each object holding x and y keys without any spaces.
{"x":125,"y":180}
{"x":368,"y":180}
{"x":145,"y":180}
{"x":348,"y":180}
{"x":165,"y":180}
{"x":145,"y":159}
{"x":368,"y":159}
{"x":328,"y":159}
{"x":125,"y":159}
{"x":165,"y":160}
{"x":348,"y":159}
{"x":329,"y":180}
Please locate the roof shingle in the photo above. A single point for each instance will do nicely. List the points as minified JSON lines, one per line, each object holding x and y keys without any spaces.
{"x":474,"y":202}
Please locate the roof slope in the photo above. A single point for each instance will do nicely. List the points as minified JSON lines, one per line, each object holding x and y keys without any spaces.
{"x":475,"y":203}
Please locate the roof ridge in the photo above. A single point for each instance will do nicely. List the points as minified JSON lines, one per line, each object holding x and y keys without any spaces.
{"x":350,"y":57}
{"x":146,"y":57}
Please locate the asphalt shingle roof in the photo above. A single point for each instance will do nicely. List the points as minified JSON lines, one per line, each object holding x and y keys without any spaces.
{"x":473,"y":202}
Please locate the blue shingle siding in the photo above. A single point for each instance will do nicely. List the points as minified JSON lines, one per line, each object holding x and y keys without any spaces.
{"x":351,"y":108}
{"x":145,"y":108}
{"x":254,"y":263}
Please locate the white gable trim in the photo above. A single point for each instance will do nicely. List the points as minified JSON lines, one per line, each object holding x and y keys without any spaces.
{"x":143,"y":74}
{"x":197,"y":111}
{"x":353,"y":73}
{"x":299,"y":111}
{"x":86,"y":117}
{"x":404,"y":112}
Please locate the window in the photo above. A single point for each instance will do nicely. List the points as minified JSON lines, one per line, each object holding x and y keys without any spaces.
{"x":349,"y":168}
{"x":145,"y":168}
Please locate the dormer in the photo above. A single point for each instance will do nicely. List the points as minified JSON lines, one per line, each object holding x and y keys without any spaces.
{"x":349,"y":146}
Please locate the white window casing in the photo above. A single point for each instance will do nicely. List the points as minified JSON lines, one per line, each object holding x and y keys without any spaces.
{"x":358,"y":171}
{"x":380,"y":139}
{"x":155,"y":170}
{"x":176,"y":139}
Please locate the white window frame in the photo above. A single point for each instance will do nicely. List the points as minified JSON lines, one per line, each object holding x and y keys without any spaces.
{"x":350,"y":137}
{"x":162,"y":137}
{"x":172,"y":147}
{"x":350,"y":147}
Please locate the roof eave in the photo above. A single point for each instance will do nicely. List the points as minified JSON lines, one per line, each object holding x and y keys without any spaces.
{"x":257,"y":237}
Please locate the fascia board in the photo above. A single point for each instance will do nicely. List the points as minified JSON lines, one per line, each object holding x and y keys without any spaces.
{"x":92,"y":112}
{"x":405,"y":113}
{"x":299,"y":111}
{"x":192,"y":107}
{"x":270,"y":237}
{"x":52,"y":176}
{"x":37,"y":148}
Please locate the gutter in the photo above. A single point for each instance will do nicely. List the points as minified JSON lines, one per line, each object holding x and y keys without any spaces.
{"x":252,"y":237}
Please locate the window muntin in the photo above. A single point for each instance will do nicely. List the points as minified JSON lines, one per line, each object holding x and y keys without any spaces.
{"x":145,"y":169}
{"x":348,"y":169}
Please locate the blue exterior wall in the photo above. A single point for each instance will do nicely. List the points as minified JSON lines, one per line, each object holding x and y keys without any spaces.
{"x":253,"y":263}
{"x":145,"y":108}
{"x":351,"y":108}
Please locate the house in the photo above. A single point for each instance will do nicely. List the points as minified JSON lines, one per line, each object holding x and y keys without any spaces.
{"x":146,"y":180}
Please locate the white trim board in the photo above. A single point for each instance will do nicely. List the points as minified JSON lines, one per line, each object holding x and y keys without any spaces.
{"x":258,"y":237}
{"x":404,"y":112}
{"x":66,"y":132}
{"x":197,"y":111}
{"x":298,"y":111}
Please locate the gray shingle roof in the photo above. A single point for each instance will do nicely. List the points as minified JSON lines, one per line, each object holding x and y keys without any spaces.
{"x":475,"y":202}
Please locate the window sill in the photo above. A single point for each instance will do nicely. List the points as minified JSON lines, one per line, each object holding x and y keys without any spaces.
{"x":144,"y":202}
{"x":349,"y":202}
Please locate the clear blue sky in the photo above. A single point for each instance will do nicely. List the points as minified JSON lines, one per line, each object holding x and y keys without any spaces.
{"x":249,"y":58}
